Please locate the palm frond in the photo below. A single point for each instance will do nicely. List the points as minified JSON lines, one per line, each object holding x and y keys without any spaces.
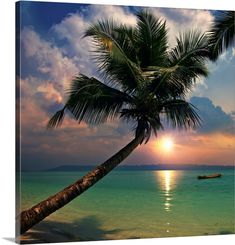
{"x":186,"y":62}
{"x":114,"y":53}
{"x":93,"y":101}
{"x":127,"y":38}
{"x":222,"y":33}
{"x":181,"y":114}
{"x":191,"y":47}
{"x":152,"y":39}
{"x":57,"y":119}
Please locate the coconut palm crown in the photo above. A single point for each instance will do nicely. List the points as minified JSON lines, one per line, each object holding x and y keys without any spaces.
{"x":143,"y":81}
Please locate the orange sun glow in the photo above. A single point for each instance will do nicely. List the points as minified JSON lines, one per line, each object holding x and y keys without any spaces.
{"x":167,"y":144}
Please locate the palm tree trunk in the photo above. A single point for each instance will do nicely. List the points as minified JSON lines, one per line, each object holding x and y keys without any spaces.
{"x":28,"y":218}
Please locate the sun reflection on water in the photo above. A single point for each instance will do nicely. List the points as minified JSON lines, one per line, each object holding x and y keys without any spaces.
{"x":167,"y":178}
{"x":168,"y":181}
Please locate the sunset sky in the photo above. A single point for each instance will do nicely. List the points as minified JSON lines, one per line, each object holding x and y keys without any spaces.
{"x":52,"y":52}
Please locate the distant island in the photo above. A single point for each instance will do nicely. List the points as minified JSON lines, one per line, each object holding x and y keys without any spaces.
{"x":144,"y":167}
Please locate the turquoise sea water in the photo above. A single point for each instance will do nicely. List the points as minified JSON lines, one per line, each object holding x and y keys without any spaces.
{"x":136,"y":204}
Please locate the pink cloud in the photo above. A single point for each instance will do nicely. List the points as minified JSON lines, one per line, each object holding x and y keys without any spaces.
{"x":50,"y":93}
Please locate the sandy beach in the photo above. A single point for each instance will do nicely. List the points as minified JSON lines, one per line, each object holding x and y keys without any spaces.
{"x":50,"y":231}
{"x":84,"y":229}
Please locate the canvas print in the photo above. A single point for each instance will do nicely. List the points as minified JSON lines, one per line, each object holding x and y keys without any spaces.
{"x":125,"y":122}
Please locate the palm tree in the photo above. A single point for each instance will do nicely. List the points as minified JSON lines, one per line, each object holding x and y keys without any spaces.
{"x":222,"y":33}
{"x":143,"y":82}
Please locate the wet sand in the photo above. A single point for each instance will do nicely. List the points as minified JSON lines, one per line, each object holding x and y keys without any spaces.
{"x":86,"y":229}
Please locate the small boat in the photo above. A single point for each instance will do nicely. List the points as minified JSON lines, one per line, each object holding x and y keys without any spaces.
{"x":209,"y":176}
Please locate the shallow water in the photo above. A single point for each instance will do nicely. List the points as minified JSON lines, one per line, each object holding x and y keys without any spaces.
{"x":136,"y":204}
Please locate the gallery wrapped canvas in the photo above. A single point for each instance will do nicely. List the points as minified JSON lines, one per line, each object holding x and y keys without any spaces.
{"x":125,"y":122}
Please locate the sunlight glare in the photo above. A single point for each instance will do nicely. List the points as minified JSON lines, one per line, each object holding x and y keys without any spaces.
{"x":167,"y":144}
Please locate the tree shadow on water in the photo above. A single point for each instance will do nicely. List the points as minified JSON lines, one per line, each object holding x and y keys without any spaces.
{"x":85,"y":229}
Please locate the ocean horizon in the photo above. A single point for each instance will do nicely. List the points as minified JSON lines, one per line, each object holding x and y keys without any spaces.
{"x":133,"y":204}
{"x":78,"y":167}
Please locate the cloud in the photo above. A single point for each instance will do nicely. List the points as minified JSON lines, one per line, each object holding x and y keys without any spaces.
{"x":233,"y":51}
{"x":32,"y":116}
{"x":227,"y":56}
{"x":68,"y":144}
{"x":214,"y":119}
{"x":50,"y":93}
{"x":71,"y":30}
{"x":50,"y":59}
{"x":224,"y":56}
{"x":220,"y":84}
{"x":116,"y":13}
{"x":180,"y":20}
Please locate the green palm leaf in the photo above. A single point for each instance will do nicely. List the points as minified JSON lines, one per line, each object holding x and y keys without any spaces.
{"x":181,"y":114}
{"x":190,"y":56}
{"x":91,"y":101}
{"x":57,"y":119}
{"x":222,"y":33}
{"x":186,"y":62}
{"x":112,"y":54}
{"x":151,"y":40}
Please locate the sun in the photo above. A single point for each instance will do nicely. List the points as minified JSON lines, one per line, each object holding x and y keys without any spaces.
{"x":167,"y":143}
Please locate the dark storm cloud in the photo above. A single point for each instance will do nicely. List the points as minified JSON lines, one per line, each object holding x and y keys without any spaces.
{"x":214,"y":119}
